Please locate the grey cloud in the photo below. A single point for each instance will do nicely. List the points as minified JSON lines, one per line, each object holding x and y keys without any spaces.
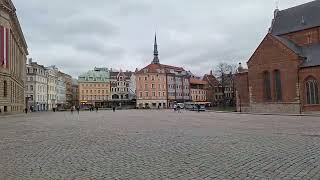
{"x":78,"y":35}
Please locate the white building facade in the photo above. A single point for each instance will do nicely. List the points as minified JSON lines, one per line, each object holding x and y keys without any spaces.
{"x":36,"y":87}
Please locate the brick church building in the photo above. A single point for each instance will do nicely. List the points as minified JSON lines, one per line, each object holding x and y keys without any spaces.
{"x":283,"y":73}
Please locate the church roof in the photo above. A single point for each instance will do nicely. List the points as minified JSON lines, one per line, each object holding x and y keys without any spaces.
{"x":312,"y":55}
{"x":297,"y":18}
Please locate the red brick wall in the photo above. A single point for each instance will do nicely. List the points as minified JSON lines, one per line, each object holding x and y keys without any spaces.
{"x":304,"y":74}
{"x":305,"y":37}
{"x":242,"y":89}
{"x":272,"y":55}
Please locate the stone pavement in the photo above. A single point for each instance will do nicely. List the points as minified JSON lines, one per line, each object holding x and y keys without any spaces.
{"x":159,"y":145}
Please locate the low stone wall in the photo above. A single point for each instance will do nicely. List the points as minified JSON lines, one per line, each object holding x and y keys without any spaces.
{"x":293,"y":108}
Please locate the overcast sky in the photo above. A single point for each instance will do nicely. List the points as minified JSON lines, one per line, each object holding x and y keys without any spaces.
{"x":196,"y":34}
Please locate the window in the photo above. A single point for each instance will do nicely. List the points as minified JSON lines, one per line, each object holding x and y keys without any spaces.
{"x":277,"y":85}
{"x":140,"y":94}
{"x":5,"y":89}
{"x":147,"y":94}
{"x":31,"y":88}
{"x":266,"y":85}
{"x":146,"y":78}
{"x":312,"y":91}
{"x":152,"y":86}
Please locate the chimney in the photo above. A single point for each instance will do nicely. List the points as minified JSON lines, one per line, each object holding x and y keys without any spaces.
{"x":30,"y":61}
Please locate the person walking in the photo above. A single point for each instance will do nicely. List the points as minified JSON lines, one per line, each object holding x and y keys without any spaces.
{"x":114,"y":109}
{"x":198,"y":106}
{"x":72,"y":109}
{"x":78,"y":109}
{"x":179,"y":109}
{"x":97,"y":108}
{"x":175,"y":107}
{"x":26,"y":110}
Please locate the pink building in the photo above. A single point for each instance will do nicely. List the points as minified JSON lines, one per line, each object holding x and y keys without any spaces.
{"x":160,"y":86}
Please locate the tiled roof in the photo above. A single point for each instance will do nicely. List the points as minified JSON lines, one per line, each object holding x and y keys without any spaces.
{"x":312,"y":56}
{"x":153,"y":68}
{"x":291,"y":45}
{"x":297,"y":18}
{"x":310,"y":53}
{"x":197,"y":81}
{"x":211,"y":80}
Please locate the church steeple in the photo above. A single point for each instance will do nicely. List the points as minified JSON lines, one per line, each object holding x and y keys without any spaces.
{"x":155,"y":51}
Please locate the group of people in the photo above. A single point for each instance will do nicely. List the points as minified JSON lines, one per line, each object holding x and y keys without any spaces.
{"x":75,"y":108}
{"x":91,"y":108}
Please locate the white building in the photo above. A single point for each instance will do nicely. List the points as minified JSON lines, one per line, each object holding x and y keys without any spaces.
{"x":61,"y":92}
{"x":36,"y":87}
{"x":132,"y":87}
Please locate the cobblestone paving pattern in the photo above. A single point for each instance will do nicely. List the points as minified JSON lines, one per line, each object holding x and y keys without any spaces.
{"x":158,"y":145}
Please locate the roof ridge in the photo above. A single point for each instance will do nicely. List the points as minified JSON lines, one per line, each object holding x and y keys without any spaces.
{"x":299,"y":6}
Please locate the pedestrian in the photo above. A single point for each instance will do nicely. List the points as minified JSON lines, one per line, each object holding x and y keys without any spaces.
{"x":114,"y":109}
{"x":97,"y":108}
{"x":78,"y":109}
{"x":175,"y":107}
{"x":198,"y":106}
{"x":26,"y":110}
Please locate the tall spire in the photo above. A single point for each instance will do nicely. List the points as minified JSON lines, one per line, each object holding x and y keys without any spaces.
{"x":155,"y":51}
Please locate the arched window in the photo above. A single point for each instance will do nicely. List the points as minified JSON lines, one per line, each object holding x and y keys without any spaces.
{"x":5,"y":89}
{"x":277,"y":85}
{"x":312,"y":91}
{"x":266,"y":85}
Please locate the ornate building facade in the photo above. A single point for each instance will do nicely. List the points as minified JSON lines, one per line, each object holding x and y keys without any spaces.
{"x":94,"y":87}
{"x":36,"y":87}
{"x":13,"y":56}
{"x":120,"y":87}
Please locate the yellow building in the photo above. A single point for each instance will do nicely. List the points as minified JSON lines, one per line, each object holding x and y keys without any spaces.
{"x":13,"y":56}
{"x":94,"y":88}
{"x":198,"y":90}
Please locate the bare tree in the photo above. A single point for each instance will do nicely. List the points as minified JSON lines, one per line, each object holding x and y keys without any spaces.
{"x":225,"y":74}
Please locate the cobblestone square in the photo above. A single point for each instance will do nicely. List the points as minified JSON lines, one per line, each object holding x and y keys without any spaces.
{"x":158,"y":145}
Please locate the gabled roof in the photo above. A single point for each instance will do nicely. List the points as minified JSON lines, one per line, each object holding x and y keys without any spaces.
{"x":211,"y":80}
{"x":197,"y":81}
{"x":311,"y":53}
{"x":289,"y":44}
{"x":154,"y":68}
{"x":297,"y":18}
